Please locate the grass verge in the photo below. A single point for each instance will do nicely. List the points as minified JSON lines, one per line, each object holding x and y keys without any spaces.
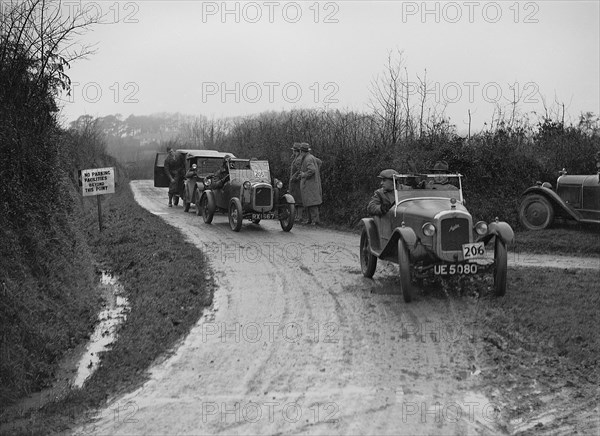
{"x":168,"y":284}
{"x":565,"y":239}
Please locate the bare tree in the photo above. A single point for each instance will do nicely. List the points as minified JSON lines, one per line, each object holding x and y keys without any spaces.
{"x":386,"y":99}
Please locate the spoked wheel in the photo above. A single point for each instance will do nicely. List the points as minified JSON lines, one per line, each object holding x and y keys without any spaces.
{"x":235,"y":214}
{"x":206,"y":206}
{"x":287,"y":216}
{"x":536,"y":212}
{"x":500,"y":267}
{"x":368,"y":262}
{"x":404,"y":270}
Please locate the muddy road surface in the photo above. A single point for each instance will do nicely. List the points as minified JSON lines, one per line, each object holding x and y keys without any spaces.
{"x":298,"y":341}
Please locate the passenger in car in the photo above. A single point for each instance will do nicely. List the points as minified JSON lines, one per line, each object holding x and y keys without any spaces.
{"x":441,"y":181}
{"x":383,"y":199}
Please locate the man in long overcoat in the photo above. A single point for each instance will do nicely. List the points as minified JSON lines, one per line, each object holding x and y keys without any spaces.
{"x":310,"y":183}
{"x":294,"y":185}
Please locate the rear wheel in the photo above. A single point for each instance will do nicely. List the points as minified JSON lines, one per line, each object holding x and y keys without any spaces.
{"x":235,"y":214}
{"x":500,"y":267}
{"x":536,"y":212}
{"x":404,"y":270}
{"x":368,"y":262}
{"x":287,"y":216}
{"x":206,"y":206}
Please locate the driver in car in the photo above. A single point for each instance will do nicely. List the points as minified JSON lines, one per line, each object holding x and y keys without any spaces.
{"x":221,"y":176}
{"x":383,"y":199}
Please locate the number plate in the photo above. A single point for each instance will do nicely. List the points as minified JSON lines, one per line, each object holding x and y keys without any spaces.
{"x":473,"y":251}
{"x":263,"y":216}
{"x":454,"y":269}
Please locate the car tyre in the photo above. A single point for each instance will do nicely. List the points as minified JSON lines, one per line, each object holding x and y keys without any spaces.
{"x":368,"y":261}
{"x":235,"y":214}
{"x":289,"y":216}
{"x":206,"y":206}
{"x":404,"y":270}
{"x":500,"y":267}
{"x":536,"y":212}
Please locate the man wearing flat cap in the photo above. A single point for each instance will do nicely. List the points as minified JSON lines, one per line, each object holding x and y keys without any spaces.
{"x":294,"y":185}
{"x":310,"y":183}
{"x":383,"y":199}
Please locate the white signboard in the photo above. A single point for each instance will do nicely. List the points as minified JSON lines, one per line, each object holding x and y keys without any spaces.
{"x":98,"y":181}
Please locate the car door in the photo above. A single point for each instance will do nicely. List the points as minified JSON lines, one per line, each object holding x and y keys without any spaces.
{"x":161,"y":180}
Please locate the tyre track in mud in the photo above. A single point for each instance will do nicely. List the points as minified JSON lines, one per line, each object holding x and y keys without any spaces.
{"x":296,"y":328}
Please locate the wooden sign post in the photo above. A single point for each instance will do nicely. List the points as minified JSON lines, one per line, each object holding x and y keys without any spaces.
{"x":98,"y":181}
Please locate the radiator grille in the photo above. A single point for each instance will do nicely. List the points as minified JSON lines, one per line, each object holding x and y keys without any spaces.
{"x":455,"y":232}
{"x":262,"y":197}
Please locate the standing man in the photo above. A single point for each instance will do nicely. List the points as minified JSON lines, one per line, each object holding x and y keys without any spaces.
{"x":310,"y":184}
{"x":294,"y":185}
{"x":174,"y":169}
{"x":383,"y":199}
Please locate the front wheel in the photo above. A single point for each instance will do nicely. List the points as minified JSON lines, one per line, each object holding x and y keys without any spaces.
{"x":287,"y":216}
{"x":500,"y":267}
{"x":368,"y":262}
{"x":536,"y":212}
{"x":206,"y":209}
{"x":235,"y":214}
{"x":404,"y":270}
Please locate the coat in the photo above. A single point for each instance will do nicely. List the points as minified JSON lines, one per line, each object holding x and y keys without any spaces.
{"x":294,"y":185}
{"x":310,"y":180}
{"x":174,"y":168}
{"x":380,"y":197}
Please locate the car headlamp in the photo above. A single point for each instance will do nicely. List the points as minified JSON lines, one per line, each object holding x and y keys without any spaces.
{"x":481,"y":228}
{"x":207,"y":181}
{"x":278,"y":184}
{"x":247,"y":185}
{"x":428,"y":229}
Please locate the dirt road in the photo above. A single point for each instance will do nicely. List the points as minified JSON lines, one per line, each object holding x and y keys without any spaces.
{"x":298,"y":341}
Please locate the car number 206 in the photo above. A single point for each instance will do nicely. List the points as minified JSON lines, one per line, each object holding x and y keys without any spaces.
{"x":473,"y":251}
{"x":455,"y":268}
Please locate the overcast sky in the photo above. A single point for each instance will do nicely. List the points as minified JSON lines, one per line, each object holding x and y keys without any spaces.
{"x":226,"y":59}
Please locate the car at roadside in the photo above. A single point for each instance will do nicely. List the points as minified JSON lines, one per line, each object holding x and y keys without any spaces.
{"x":428,"y":232}
{"x":203,"y":163}
{"x":247,"y":191}
{"x":576,"y":197}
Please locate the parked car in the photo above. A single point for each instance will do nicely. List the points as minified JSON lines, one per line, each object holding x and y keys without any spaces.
{"x":246,"y":191}
{"x":206,"y":161}
{"x":576,"y":197}
{"x":428,"y":231}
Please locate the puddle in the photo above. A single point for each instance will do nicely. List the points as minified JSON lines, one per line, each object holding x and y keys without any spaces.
{"x":80,"y":363}
{"x":105,"y":332}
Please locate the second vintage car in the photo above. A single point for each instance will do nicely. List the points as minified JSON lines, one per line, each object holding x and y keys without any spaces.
{"x":576,"y":197}
{"x":245,"y":190}
{"x":428,"y":231}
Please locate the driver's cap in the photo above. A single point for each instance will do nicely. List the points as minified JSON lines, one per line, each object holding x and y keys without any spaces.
{"x":387,"y":174}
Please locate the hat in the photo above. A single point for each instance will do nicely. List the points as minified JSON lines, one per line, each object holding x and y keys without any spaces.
{"x":304,"y":147}
{"x":441,"y":166}
{"x":296,"y":146}
{"x":387,"y":174}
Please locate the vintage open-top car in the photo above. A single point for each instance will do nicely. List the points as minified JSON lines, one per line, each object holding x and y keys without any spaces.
{"x":245,"y":190}
{"x":577,"y":197}
{"x":429,"y":231}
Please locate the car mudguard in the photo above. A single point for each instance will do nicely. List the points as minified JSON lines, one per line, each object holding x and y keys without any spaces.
{"x":373,"y":233}
{"x":287,"y":198}
{"x":554,"y":199}
{"x":211,"y":196}
{"x":499,"y":229}
{"x":405,"y":234}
